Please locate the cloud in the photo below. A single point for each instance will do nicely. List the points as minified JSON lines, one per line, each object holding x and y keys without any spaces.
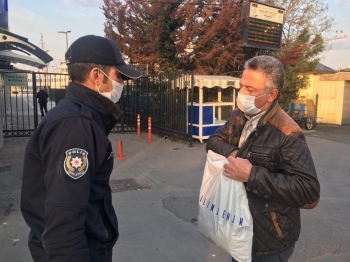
{"x":86,"y":3}
{"x":336,"y":59}
{"x":23,"y":22}
{"x":340,"y":44}
{"x":342,"y":2}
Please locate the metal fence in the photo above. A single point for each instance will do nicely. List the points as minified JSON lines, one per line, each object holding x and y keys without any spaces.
{"x":163,"y":97}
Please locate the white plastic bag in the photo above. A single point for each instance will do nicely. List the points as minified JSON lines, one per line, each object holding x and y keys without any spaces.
{"x":224,"y":216}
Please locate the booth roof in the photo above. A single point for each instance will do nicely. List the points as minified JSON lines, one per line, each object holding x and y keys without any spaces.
{"x":211,"y":81}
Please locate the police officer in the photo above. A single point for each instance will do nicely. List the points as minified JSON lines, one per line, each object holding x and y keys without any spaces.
{"x":66,"y":199}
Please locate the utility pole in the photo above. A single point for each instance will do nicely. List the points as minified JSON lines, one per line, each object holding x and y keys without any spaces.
{"x":66,"y":33}
{"x":42,"y":41}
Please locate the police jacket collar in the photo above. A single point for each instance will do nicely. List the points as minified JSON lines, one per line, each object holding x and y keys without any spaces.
{"x":94,"y":100}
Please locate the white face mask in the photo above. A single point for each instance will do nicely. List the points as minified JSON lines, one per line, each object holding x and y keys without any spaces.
{"x":246,"y":104}
{"x":115,"y":94}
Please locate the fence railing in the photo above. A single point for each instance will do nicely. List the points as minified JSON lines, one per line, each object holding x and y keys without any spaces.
{"x":163,"y":97}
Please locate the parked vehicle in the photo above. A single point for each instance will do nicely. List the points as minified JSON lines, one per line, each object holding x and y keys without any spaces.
{"x":303,"y":112}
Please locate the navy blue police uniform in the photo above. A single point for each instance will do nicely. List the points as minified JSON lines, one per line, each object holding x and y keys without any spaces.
{"x":66,"y":198}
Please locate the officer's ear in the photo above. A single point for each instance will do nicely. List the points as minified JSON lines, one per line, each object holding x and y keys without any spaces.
{"x":95,"y":76}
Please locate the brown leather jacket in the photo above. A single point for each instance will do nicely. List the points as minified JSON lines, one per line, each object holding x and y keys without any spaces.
{"x":283,"y":178}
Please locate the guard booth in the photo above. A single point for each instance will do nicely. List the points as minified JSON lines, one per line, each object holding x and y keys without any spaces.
{"x":214,"y":100}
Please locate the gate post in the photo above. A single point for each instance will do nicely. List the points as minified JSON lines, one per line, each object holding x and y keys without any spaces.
{"x":35,"y":104}
{"x":191,"y":124}
{"x":316,"y":110}
{"x":2,"y":98}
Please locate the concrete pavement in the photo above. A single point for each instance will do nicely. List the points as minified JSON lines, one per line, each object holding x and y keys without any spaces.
{"x":158,"y":222}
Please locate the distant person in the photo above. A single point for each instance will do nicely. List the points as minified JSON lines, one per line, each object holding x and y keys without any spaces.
{"x":42,"y":97}
{"x":66,"y":199}
{"x":267,"y":151}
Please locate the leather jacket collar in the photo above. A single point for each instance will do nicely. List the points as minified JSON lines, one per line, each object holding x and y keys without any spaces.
{"x":270,"y":112}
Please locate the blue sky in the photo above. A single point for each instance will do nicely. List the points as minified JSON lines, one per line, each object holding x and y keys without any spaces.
{"x":32,"y":18}
{"x":337,"y":54}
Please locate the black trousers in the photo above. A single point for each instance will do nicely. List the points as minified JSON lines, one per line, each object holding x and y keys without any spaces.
{"x":100,"y":253}
{"x":281,"y":256}
{"x":42,"y":108}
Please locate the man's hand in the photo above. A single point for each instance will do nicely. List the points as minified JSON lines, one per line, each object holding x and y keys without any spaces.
{"x":238,"y":169}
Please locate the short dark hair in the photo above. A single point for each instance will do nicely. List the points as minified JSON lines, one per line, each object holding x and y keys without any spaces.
{"x":78,"y":72}
{"x":272,"y":69}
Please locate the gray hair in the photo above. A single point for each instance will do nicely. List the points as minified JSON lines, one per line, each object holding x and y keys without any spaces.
{"x":272,"y":69}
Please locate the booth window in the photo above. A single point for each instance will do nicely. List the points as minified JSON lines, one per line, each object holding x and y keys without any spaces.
{"x":222,"y":113}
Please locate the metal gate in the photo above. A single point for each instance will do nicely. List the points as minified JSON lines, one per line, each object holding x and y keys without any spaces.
{"x":20,"y":107}
{"x":163,"y":97}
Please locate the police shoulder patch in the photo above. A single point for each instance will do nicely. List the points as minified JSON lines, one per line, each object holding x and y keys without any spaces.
{"x":76,"y":162}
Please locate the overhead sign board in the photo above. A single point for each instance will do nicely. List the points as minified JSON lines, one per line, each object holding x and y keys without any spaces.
{"x":262,"y":25}
{"x":15,"y":79}
{"x":267,"y":13}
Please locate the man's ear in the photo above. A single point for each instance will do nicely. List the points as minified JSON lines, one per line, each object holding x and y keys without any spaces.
{"x":94,"y":76}
{"x":272,"y":95}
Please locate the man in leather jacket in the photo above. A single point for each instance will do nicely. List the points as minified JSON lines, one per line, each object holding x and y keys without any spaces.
{"x":66,"y":198}
{"x":267,"y":151}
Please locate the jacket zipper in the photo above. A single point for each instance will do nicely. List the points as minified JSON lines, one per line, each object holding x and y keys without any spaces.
{"x":258,"y":154}
{"x":245,"y":144}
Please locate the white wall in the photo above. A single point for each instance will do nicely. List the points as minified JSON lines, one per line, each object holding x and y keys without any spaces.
{"x":330,"y":102}
{"x":330,"y":91}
